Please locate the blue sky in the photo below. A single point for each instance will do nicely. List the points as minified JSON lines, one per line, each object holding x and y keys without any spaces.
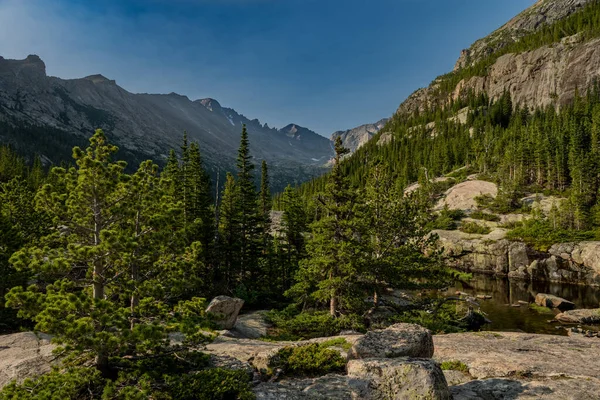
{"x":323,"y":64}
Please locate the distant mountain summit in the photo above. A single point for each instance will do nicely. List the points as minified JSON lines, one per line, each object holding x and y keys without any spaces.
{"x":48,"y":115}
{"x":353,"y":139}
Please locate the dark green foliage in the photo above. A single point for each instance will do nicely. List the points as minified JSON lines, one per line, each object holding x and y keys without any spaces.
{"x":292,"y":325}
{"x":484,"y":216}
{"x":309,"y":360}
{"x":474,"y":227}
{"x":541,"y":234}
{"x":167,"y":378}
{"x":454,"y":365}
{"x":447,"y":219}
{"x":438,"y":318}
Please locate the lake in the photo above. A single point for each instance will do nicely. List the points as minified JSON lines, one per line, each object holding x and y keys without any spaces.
{"x":507,"y":292}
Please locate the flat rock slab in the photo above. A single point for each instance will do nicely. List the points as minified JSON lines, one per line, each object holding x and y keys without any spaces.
{"x":24,"y":355}
{"x":521,"y":355}
{"x":510,"y":389}
{"x":328,"y":387}
{"x":551,"y":301}
{"x":398,"y":340}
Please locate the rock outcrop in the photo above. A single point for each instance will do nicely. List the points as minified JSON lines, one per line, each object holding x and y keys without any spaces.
{"x":576,"y":263}
{"x":224,"y":310}
{"x":509,"y":365}
{"x":548,"y":75}
{"x":23,"y":355}
{"x":354,"y":138}
{"x":463,"y":195}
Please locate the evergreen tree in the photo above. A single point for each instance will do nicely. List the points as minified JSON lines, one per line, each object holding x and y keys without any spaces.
{"x":332,"y":270}
{"x":247,"y":198}
{"x":229,"y":233}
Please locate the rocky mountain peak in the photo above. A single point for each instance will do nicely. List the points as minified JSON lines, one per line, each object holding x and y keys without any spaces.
{"x":211,"y":104}
{"x":99,"y":79}
{"x":32,"y":66}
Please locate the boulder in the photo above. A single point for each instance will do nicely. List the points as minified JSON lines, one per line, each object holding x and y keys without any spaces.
{"x":401,"y":378}
{"x":252,"y":326}
{"x":24,"y":355}
{"x":399,"y":340}
{"x":225,"y":310}
{"x":462,"y":196}
{"x":584,"y":316}
{"x":551,"y":301}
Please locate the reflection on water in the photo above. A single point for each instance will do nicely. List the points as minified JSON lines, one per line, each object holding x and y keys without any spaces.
{"x":506,"y":293}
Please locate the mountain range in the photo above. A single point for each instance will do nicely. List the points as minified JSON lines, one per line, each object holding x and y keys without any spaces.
{"x":47,"y":116}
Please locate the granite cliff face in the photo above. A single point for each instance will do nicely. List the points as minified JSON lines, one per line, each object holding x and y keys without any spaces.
{"x":49,"y":115}
{"x":546,"y":75}
{"x":354,"y":138}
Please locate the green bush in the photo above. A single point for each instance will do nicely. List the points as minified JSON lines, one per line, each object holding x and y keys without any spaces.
{"x":485,"y":216}
{"x":446,"y":219}
{"x":164,"y":378}
{"x":310,"y":360}
{"x":438,"y":319}
{"x":473,"y":227}
{"x":454,"y":365}
{"x":290,"y":325}
{"x":540,"y":234}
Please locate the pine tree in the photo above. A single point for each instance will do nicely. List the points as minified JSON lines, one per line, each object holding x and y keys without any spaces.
{"x":333,"y":268}
{"x":248,"y":212}
{"x":229,"y":233}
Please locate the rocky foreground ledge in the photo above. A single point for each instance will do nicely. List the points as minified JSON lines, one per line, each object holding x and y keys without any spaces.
{"x":392,"y":364}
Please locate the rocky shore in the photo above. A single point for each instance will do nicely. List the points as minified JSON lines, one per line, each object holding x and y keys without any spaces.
{"x":400,"y":362}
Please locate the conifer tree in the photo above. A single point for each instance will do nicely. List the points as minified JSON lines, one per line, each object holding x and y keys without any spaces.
{"x":248,"y":211}
{"x":229,"y":233}
{"x":332,"y":270}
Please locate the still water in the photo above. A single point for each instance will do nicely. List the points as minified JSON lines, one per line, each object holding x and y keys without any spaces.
{"x":506,"y":293}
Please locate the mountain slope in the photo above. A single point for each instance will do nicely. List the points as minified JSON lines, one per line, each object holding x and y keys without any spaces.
{"x":541,"y":57}
{"x":143,"y":125}
{"x":354,"y":138}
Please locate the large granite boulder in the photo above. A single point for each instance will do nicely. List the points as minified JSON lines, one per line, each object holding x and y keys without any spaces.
{"x":551,"y":301}
{"x":224,"y":310}
{"x":583,"y":316}
{"x":399,"y":340}
{"x":253,"y":325}
{"x":401,"y":378}
{"x":24,"y":355}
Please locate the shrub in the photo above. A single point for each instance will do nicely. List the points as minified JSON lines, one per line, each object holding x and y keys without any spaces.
{"x":454,"y":365}
{"x":307,"y":325}
{"x":446,"y":219}
{"x":310,"y":360}
{"x":485,"y":216}
{"x":540,"y":234}
{"x":338,"y":342}
{"x":473,"y":227}
{"x":162,"y":378}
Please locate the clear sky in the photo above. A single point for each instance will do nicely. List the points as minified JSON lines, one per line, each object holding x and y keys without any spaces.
{"x":324,"y":64}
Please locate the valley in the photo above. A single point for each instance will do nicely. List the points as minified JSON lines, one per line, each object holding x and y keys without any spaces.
{"x":154,"y":246}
